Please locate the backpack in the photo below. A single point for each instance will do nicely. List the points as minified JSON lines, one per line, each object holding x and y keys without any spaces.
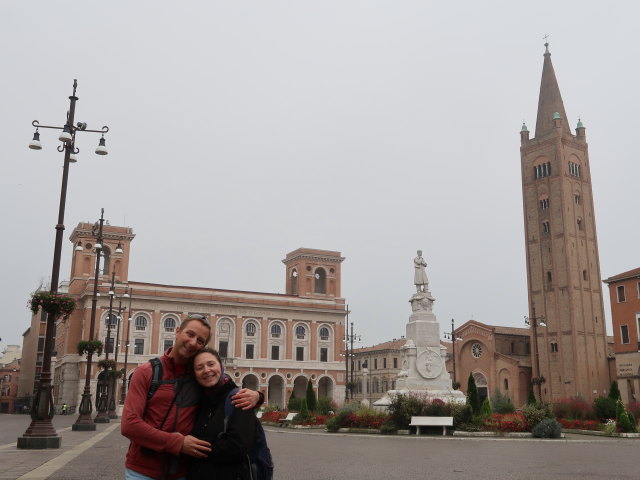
{"x":260,"y":461}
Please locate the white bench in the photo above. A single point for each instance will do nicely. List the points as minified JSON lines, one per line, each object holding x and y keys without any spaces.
{"x":443,"y":422}
{"x":287,"y":419}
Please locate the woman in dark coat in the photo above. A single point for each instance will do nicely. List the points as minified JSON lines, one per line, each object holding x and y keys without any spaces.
{"x":228,"y":459}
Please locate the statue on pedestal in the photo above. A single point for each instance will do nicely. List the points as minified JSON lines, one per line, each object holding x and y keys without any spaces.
{"x":420,"y":279}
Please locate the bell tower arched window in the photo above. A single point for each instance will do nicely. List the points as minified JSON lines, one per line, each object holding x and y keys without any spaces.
{"x":294,"y":282}
{"x":320,"y":281}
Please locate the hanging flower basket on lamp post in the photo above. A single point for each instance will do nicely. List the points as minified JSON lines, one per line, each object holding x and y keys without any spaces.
{"x":107,"y":364}
{"x":89,"y":346}
{"x":56,"y":304}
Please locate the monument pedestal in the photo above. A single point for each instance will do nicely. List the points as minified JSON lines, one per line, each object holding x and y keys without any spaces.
{"x":423,"y":372}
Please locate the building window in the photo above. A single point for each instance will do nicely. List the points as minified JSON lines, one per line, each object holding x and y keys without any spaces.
{"x":321,"y":281}
{"x":638,"y":289}
{"x":138,"y":346}
{"x":250,"y":329}
{"x":375,"y":363}
{"x":108,"y":344}
{"x":580,"y":224}
{"x":542,"y":170}
{"x":549,"y":277}
{"x":527,"y":348}
{"x":276,"y":330}
{"x":476,"y":350}
{"x":275,"y":352}
{"x":624,"y":334}
{"x":574,"y":170}
{"x":545,"y":227}
{"x":324,"y":333}
{"x":41,"y":344}
{"x":113,"y":322}
{"x":300,"y":332}
{"x":584,"y":275}
{"x":299,"y":354}
{"x":169,"y":324}
{"x":248,"y":351}
{"x":141,"y":323}
{"x":621,"y":295}
{"x":384,"y":363}
{"x":554,"y":347}
{"x":359,"y":365}
{"x":544,"y":203}
{"x":506,"y":384}
{"x":395,"y":362}
{"x":577,"y":199}
{"x":324,"y":354}
{"x":167,"y":345}
{"x":223,"y":348}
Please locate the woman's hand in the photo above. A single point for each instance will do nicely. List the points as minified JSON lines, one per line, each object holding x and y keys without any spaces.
{"x":195,"y":447}
{"x":246,"y":399}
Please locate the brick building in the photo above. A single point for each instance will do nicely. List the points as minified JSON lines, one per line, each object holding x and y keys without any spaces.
{"x":272,"y":342}
{"x":9,"y":377}
{"x":624,"y":294}
{"x":563,"y":266}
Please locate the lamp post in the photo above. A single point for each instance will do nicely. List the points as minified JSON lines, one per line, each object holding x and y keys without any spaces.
{"x":102,"y":400}
{"x":350,"y":339}
{"x":534,"y":322}
{"x":123,"y":395}
{"x":453,"y":337}
{"x":84,"y":422}
{"x":113,"y":380}
{"x":41,"y":433}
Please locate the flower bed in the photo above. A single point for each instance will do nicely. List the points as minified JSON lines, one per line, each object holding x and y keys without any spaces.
{"x":579,"y":424}
{"x":508,"y":422}
{"x":367,"y":420}
{"x":273,"y":416}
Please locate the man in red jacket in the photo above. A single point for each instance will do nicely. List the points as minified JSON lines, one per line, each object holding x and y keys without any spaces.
{"x":159,"y":427}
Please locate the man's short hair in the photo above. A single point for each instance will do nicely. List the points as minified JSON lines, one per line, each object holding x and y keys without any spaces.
{"x":201,"y":318}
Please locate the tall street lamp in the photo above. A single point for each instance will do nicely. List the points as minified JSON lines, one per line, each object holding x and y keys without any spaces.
{"x":84,"y":422}
{"x":41,"y":433}
{"x":350,"y":338}
{"x":102,"y":400}
{"x":123,"y":395}
{"x":113,"y":379}
{"x":535,"y":322}
{"x":453,"y":337}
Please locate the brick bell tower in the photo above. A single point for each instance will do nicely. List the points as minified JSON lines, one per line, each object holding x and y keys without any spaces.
{"x":563,"y":267}
{"x":313,"y":273}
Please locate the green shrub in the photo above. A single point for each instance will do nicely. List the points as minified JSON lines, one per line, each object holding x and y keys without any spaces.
{"x":547,"y":428}
{"x":403,"y":407}
{"x":388,"y":428}
{"x":532,"y":397}
{"x":312,"y":402}
{"x":333,"y":424}
{"x":485,"y":409}
{"x":625,"y":424}
{"x":326,"y":406}
{"x":501,"y":403}
{"x":536,"y":412}
{"x":436,"y":408}
{"x":614,"y":391}
{"x":294,"y":404}
{"x":604,"y":408}
{"x":462,"y":416}
{"x":472,"y":395}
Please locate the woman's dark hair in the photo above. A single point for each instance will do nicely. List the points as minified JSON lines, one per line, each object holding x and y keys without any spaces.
{"x":211,"y":351}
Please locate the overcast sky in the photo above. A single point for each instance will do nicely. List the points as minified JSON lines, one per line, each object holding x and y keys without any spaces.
{"x":241,"y":131}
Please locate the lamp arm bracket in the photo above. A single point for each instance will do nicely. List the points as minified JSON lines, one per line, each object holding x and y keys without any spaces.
{"x":36,"y":124}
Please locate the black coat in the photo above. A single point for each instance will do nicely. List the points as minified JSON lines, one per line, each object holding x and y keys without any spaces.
{"x":228,"y":458}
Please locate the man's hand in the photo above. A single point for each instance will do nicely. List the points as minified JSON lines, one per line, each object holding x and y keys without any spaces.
{"x":245,"y":399}
{"x":195,"y":447}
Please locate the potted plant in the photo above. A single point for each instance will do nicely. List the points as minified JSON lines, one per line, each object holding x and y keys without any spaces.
{"x":89,"y":346}
{"x":56,"y":304}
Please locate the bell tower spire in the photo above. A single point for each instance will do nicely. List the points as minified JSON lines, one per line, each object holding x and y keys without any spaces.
{"x":550,"y":101}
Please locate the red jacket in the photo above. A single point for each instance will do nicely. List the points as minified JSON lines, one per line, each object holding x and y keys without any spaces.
{"x":155,"y":451}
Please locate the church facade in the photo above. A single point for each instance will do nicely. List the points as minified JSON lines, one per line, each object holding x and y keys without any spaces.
{"x":271,"y":342}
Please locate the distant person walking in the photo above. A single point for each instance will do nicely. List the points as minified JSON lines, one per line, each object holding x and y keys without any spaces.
{"x":64,"y":408}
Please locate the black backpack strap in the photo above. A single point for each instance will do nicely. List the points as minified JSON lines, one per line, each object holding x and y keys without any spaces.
{"x":156,"y":377}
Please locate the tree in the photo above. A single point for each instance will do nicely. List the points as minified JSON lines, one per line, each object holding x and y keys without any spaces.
{"x":532,"y":396}
{"x":614,"y":391}
{"x":623,"y":421}
{"x":472,"y":395}
{"x":312,"y":403}
{"x":485,"y":410}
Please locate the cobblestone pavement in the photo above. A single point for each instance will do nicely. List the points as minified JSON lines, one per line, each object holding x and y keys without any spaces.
{"x":316,"y":455}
